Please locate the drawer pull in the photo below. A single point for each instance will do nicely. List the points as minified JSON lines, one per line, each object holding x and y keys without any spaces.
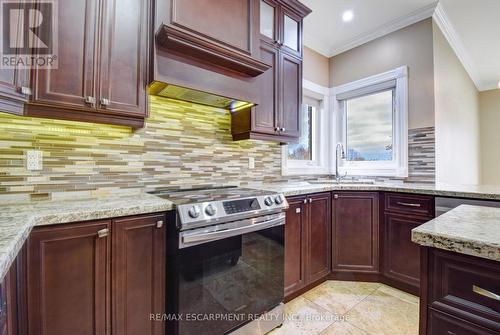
{"x":103,"y":233}
{"x":408,"y":204}
{"x":485,"y":293}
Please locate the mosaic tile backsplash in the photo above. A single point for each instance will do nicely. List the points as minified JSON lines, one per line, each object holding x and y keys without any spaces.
{"x":181,"y":144}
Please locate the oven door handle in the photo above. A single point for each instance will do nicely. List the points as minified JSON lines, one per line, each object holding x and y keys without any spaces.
{"x":194,"y":239}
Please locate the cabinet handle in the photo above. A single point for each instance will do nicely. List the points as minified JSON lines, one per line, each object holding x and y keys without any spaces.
{"x":485,"y":293}
{"x":297,"y":210}
{"x":26,"y":90}
{"x":103,"y":232}
{"x":89,"y":100}
{"x":305,"y":201}
{"x":105,"y":102}
{"x":310,"y":200}
{"x":408,"y":204}
{"x":159,"y":224}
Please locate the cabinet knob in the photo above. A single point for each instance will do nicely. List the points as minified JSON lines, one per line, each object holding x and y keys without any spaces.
{"x":105,"y":102}
{"x":26,"y":90}
{"x":89,"y":100}
{"x":282,"y":129}
{"x":305,"y":201}
{"x":103,"y":232}
{"x":159,"y":224}
{"x":297,"y":210}
{"x":276,"y":128}
{"x":310,"y":200}
{"x":335,"y":196}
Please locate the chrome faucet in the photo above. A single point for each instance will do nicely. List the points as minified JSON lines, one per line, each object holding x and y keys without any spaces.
{"x":339,"y":154}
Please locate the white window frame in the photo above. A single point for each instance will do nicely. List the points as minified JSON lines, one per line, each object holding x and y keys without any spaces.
{"x":398,"y":167}
{"x":319,"y":164}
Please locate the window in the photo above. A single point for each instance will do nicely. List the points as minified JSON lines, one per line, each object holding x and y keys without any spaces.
{"x":303,"y":151}
{"x":371,"y":123}
{"x":307,"y":156}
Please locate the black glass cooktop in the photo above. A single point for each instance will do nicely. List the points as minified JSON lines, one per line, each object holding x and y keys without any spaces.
{"x":197,"y":195}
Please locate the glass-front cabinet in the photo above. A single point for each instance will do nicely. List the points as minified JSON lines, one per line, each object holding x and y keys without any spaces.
{"x":281,"y":27}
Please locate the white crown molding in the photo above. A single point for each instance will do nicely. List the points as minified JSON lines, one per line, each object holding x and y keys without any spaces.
{"x":387,"y":28}
{"x":444,"y":24}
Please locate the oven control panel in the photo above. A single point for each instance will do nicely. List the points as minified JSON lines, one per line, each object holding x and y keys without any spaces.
{"x":238,"y":206}
{"x":205,"y":213}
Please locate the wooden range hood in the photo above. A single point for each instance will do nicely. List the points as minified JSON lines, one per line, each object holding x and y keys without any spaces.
{"x":208,"y":51}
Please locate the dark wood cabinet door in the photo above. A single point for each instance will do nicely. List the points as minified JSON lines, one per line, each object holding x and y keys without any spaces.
{"x":444,"y":324}
{"x":138,"y":274}
{"x":12,"y":81}
{"x":290,"y":32}
{"x":295,"y":245}
{"x":355,"y":232}
{"x":290,"y":95}
{"x":319,"y":240}
{"x":265,"y":114}
{"x":401,"y":261}
{"x":8,"y":303}
{"x":124,"y":57}
{"x":68,"y":279}
{"x":73,"y":81}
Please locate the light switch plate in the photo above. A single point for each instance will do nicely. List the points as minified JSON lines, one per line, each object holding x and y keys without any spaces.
{"x":34,"y":160}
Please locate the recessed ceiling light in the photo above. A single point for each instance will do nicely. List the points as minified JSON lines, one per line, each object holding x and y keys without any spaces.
{"x":347,"y":16}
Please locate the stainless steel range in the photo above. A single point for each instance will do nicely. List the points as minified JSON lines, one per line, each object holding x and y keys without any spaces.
{"x":225,"y":261}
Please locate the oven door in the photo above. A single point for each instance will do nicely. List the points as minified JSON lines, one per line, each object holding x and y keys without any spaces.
{"x":229,"y":274}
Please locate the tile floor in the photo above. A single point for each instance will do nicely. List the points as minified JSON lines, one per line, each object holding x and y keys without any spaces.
{"x":351,"y":308}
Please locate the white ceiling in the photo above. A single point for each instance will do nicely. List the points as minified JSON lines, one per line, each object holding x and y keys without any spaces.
{"x":325,"y":32}
{"x":472,"y":27}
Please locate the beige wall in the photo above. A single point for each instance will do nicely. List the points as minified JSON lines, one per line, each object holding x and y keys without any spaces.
{"x":410,"y":46}
{"x":489,"y":102}
{"x":316,"y":67}
{"x":457,"y":118}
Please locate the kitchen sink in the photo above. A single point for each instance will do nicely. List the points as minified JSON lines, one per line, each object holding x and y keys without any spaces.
{"x":342,"y":182}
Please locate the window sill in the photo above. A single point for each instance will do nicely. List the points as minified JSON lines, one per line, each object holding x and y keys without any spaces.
{"x":376,"y":172}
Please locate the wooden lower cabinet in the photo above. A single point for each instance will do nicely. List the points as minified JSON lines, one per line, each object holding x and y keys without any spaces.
{"x":138,"y":274}
{"x":441,"y":323}
{"x":355,"y":233}
{"x":400,"y":261}
{"x":8,"y":303}
{"x":401,"y":257}
{"x":97,"y":277}
{"x":307,"y":241}
{"x":295,"y":245}
{"x":68,"y":279}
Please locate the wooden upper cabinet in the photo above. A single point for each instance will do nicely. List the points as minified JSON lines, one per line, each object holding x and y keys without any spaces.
{"x":138,"y":274}
{"x":14,"y":86}
{"x":265,"y":115}
{"x":72,"y":84}
{"x":276,"y":116}
{"x":123,"y":57}
{"x":290,"y":95}
{"x":224,"y":33}
{"x":68,"y":279}
{"x":355,"y":232}
{"x":103,"y":60}
{"x":291,"y":32}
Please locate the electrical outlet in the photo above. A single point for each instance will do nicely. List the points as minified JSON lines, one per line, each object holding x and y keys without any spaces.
{"x":251,"y":163}
{"x":34,"y":160}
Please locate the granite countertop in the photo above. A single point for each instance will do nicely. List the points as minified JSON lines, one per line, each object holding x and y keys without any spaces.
{"x":484,"y":192}
{"x":470,"y":230}
{"x":17,"y":220}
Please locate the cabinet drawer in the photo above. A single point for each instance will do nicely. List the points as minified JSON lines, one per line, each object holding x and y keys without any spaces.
{"x":441,"y":323}
{"x":467,"y":287}
{"x":404,"y":203}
